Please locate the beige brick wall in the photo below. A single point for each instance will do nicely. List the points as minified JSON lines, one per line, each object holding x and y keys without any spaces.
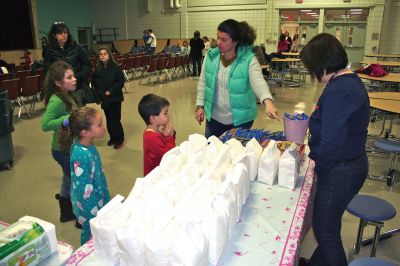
{"x":133,"y":16}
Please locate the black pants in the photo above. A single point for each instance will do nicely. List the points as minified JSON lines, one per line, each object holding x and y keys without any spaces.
{"x":114,"y":126}
{"x":217,"y":129}
{"x":196,"y":62}
{"x":334,"y":192}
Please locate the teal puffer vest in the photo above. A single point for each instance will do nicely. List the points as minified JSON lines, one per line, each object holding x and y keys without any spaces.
{"x":241,"y":97}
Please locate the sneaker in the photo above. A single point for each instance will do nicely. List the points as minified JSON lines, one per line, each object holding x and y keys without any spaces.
{"x":118,"y":146}
{"x":110,"y":143}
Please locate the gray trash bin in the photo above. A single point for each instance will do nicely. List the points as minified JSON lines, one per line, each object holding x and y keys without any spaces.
{"x":6,"y":128}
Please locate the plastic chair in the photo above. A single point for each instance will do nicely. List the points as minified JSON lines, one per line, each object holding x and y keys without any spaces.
{"x":371,"y":211}
{"x":371,"y":262}
{"x":151,"y":70}
{"x":4,"y":76}
{"x":177,"y":66}
{"x":30,"y":87}
{"x":14,"y":92}
{"x":22,"y":74}
{"x":135,"y":66}
{"x":169,"y":66}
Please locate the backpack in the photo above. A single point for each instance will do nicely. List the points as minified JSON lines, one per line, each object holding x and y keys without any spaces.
{"x":373,"y":70}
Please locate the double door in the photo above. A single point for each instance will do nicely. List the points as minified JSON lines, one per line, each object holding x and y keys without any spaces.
{"x":352,"y":36}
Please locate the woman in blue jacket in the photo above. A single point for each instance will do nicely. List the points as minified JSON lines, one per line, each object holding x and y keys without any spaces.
{"x":231,"y":81}
{"x":338,"y":128}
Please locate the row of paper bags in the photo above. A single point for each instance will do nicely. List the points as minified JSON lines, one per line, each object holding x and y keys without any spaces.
{"x":184,"y":211}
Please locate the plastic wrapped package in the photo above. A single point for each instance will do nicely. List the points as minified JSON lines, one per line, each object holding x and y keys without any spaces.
{"x":289,"y":167}
{"x":269,"y":164}
{"x":254,"y":151}
{"x":27,"y":242}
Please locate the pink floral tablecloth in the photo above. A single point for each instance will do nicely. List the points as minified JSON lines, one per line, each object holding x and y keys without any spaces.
{"x":271,"y":228}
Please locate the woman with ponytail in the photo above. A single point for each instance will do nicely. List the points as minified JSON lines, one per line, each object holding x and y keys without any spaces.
{"x":231,"y":81}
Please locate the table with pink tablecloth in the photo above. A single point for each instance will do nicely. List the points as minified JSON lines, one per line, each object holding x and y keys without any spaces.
{"x":270,"y":230}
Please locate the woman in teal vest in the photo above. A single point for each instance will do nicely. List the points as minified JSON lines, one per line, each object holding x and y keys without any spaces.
{"x":231,"y":81}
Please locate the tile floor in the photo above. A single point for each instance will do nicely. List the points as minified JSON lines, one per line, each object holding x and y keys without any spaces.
{"x":29,"y":188}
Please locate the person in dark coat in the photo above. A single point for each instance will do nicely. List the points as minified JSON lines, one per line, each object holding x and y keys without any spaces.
{"x":63,"y":47}
{"x":108,"y":81}
{"x":196,"y":52}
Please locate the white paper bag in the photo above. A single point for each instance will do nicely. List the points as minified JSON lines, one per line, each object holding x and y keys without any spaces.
{"x":229,"y":193}
{"x":131,"y":246}
{"x":198,"y":141}
{"x":216,"y":227}
{"x":104,"y":227}
{"x":253,"y":153}
{"x":173,"y":159}
{"x":236,"y":151}
{"x":269,"y":164}
{"x":289,"y":166}
{"x":190,"y":246}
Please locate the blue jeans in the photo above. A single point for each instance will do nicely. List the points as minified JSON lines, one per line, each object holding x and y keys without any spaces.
{"x":217,"y":129}
{"x":334,"y":192}
{"x":62,"y":158}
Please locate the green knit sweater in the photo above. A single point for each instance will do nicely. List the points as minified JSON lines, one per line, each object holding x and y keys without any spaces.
{"x":53,"y":118}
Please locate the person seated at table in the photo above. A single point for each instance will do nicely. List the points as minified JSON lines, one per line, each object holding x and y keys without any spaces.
{"x":185,"y":49}
{"x":282,"y":44}
{"x":135,"y":48}
{"x":338,"y":127}
{"x":175,"y":49}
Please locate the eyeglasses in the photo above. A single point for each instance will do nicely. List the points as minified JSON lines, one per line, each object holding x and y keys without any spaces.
{"x":58,"y":22}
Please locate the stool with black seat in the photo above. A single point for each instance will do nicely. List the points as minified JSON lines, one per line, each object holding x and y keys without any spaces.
{"x":371,"y":211}
{"x":393,"y":148}
{"x":371,"y":262}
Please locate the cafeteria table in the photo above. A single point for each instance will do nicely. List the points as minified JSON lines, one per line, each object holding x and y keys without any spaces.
{"x":270,"y":230}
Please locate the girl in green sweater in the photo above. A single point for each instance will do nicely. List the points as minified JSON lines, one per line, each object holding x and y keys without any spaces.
{"x":60,"y":82}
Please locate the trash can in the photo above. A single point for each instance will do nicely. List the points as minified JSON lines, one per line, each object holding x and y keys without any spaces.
{"x":6,"y":128}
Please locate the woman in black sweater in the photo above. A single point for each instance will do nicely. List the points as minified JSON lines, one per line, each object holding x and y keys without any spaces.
{"x":338,"y":128}
{"x":62,"y":46}
{"x":108,"y":81}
